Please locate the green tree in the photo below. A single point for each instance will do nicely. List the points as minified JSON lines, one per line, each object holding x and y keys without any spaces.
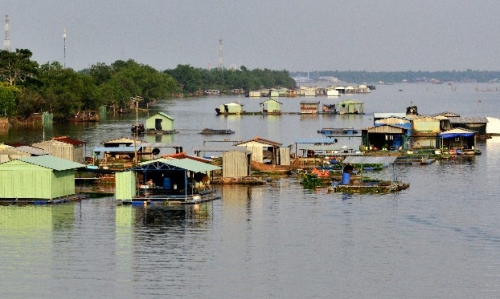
{"x":188,"y":78}
{"x":16,"y":67}
{"x":8,"y":96}
{"x":65,"y":92}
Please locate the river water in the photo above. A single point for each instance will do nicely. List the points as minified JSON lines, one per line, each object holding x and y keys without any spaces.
{"x":438,"y":239}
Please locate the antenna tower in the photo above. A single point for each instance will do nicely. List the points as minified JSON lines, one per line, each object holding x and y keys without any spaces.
{"x":221,"y":55}
{"x":64,"y":41}
{"x":6,"y":41}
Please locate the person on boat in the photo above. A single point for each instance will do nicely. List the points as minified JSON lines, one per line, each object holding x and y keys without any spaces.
{"x":348,"y":168}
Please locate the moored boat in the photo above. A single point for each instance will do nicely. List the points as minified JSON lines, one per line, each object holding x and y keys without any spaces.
{"x":271,"y":168}
{"x":208,"y":131}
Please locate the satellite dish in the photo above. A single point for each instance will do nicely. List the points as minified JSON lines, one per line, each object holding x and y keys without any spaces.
{"x":156,"y":151}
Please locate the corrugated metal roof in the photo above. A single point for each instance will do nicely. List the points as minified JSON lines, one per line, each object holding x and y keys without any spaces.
{"x":188,"y":164}
{"x":260,"y":140}
{"x":52,"y":162}
{"x":468,"y":120}
{"x":71,"y":141}
{"x":389,"y":114}
{"x":162,"y":114}
{"x":32,"y":150}
{"x":118,"y":149}
{"x":161,"y":145}
{"x":393,"y":129}
{"x":369,"y":160}
{"x":318,"y":141}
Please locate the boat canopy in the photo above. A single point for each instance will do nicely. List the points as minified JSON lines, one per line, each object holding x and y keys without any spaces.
{"x":457,"y":133}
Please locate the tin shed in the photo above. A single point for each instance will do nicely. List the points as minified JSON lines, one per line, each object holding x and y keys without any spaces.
{"x":38,"y":177}
{"x":230,"y":108}
{"x":271,"y":106}
{"x":64,"y":148}
{"x":160,"y":122}
{"x":350,"y":107}
{"x":236,"y":163}
{"x":309,"y":107}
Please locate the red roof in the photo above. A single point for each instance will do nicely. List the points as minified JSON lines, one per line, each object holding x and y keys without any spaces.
{"x":68,"y":140}
{"x":183,"y":155}
{"x":261,"y":140}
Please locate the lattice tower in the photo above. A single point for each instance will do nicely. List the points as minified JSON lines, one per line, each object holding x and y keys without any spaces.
{"x":6,"y":41}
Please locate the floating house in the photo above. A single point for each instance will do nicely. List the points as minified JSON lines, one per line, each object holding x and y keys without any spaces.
{"x":384,"y":137}
{"x":332,"y":92}
{"x":120,"y":153}
{"x":477,"y":124}
{"x":166,"y":180}
{"x":38,"y":177}
{"x":493,"y":126}
{"x":458,"y":141}
{"x":267,"y":151}
{"x":254,"y":93}
{"x":229,"y":108}
{"x":160,"y":123}
{"x":64,"y":148}
{"x":271,"y":106}
{"x":350,"y":107}
{"x":424,"y":132}
{"x":309,"y":107}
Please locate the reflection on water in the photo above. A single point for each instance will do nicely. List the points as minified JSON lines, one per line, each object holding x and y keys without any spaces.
{"x":438,"y":239}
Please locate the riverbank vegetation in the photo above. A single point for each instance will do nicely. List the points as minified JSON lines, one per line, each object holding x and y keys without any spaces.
{"x":27,"y":87}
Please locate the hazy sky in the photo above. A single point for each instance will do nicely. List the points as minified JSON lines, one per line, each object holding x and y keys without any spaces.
{"x":296,"y":35}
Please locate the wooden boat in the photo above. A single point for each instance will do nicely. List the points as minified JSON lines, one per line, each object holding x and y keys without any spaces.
{"x":270,"y":168}
{"x":370,"y":187}
{"x":415,"y":161}
{"x":207,"y":131}
{"x":337,"y":131}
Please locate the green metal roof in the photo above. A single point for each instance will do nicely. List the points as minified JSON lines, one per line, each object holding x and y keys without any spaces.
{"x":52,"y":162}
{"x":162,"y":114}
{"x":188,"y":164}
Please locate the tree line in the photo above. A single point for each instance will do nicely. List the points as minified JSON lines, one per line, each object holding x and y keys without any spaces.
{"x":468,"y":75}
{"x":27,"y":87}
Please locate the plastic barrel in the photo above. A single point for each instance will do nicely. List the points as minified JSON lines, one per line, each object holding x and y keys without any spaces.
{"x":346,"y":178}
{"x":167,"y":184}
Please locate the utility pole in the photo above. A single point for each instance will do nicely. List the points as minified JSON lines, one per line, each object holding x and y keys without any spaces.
{"x":136,"y":101}
{"x":6,"y":41}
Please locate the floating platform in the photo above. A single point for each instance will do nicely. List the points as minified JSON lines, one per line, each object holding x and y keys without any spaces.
{"x":38,"y":201}
{"x":168,"y":201}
